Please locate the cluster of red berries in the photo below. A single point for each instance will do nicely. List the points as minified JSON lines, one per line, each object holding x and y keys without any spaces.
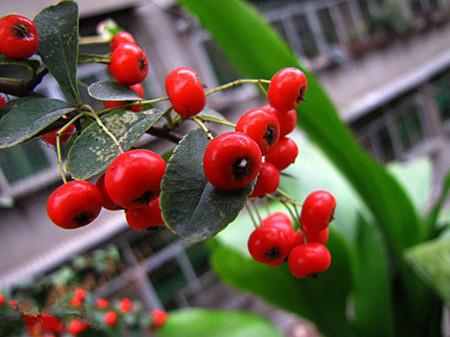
{"x":275,"y":240}
{"x":19,"y":37}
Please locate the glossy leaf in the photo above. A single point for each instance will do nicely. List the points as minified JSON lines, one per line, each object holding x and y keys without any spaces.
{"x":58,"y":30}
{"x":192,"y":208}
{"x":112,"y":91}
{"x":94,"y":150}
{"x":27,"y":117}
{"x":211,"y":323}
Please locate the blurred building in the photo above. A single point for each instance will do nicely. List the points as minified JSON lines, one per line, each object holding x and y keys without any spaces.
{"x":385,"y":63}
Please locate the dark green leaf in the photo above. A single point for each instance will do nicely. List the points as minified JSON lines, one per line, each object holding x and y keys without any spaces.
{"x":433,"y":216}
{"x":193,"y":208}
{"x":29,"y":116}
{"x":93,"y":150}
{"x":30,"y":64}
{"x":209,"y":323}
{"x":58,"y":30}
{"x":112,"y":91}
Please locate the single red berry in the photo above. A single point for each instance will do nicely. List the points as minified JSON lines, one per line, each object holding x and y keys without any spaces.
{"x":268,"y":180}
{"x":121,"y":37}
{"x":138,"y":89}
{"x":75,"y":302}
{"x":19,"y":37}
{"x":2,"y":101}
{"x":133,"y":179}
{"x":309,"y":260}
{"x":126,"y":305}
{"x":2,"y":300}
{"x":282,"y":222}
{"x":159,"y":317}
{"x":287,"y":119}
{"x":276,"y":218}
{"x":145,"y":217}
{"x":262,"y":126}
{"x":110,"y":318}
{"x":107,"y":202}
{"x":283,"y":153}
{"x":299,"y":238}
{"x":76,"y":327}
{"x":317,"y":211}
{"x":269,"y":245}
{"x":50,"y":137}
{"x":232,"y":161}
{"x":129,"y":64}
{"x":74,"y":204}
{"x":13,"y":304}
{"x":50,"y":323}
{"x":319,"y":237}
{"x":102,"y":303}
{"x":287,"y":89}
{"x":80,"y":293}
{"x":185,"y":91}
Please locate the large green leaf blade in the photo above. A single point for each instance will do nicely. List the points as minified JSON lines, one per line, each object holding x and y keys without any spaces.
{"x":111,"y":91}
{"x":58,"y":29}
{"x":210,"y":323}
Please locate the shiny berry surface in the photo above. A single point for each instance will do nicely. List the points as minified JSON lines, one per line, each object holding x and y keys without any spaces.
{"x":129,"y":64}
{"x":76,"y":327}
{"x":121,"y":37}
{"x":319,"y":237}
{"x":159,"y":317}
{"x":309,"y":260}
{"x":287,"y":89}
{"x":19,"y":37}
{"x":102,"y":303}
{"x":287,"y":119}
{"x":282,"y":222}
{"x":107,"y":202}
{"x":50,"y":137}
{"x":269,"y":245}
{"x":2,"y":101}
{"x":126,"y":305}
{"x":317,"y":211}
{"x":144,"y":217}
{"x":268,"y":180}
{"x":283,"y":153}
{"x":110,"y":318}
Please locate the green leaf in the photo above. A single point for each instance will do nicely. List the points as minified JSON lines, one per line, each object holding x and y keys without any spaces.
{"x":192,"y":208}
{"x":210,"y":323}
{"x":28,"y":117}
{"x":431,"y":262}
{"x":112,"y":91}
{"x":58,"y":30}
{"x":30,"y":64}
{"x":433,"y":216}
{"x":94,"y":150}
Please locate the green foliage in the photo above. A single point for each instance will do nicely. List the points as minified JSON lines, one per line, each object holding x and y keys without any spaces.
{"x":111,"y":91}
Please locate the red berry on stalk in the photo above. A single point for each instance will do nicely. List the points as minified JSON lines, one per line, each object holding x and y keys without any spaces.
{"x":185,"y":91}
{"x":146,"y":216}
{"x":76,"y":327}
{"x":107,"y":202}
{"x":309,"y":260}
{"x":138,"y":89}
{"x":283,"y":153}
{"x":129,"y":64}
{"x":110,"y":318}
{"x":287,"y":119}
{"x":74,"y":204}
{"x":2,"y":300}
{"x":19,"y":37}
{"x":126,"y":305}
{"x":269,"y":245}
{"x":268,"y":180}
{"x":319,"y":237}
{"x":50,"y":137}
{"x":80,"y":293}
{"x":102,"y":303}
{"x":133,"y":179}
{"x":262,"y":126}
{"x":283,"y":223}
{"x":287,"y":89}
{"x":2,"y":101}
{"x":159,"y":317}
{"x":121,"y":37}
{"x":232,"y":161}
{"x":317,"y":211}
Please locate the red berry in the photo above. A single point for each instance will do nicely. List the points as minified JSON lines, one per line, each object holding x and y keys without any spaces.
{"x":185,"y":91}
{"x":309,"y":260}
{"x":262,"y":126}
{"x":319,"y":237}
{"x":269,"y":245}
{"x":126,"y":305}
{"x":138,"y":89}
{"x":19,"y":37}
{"x":2,"y":101}
{"x":232,"y":161}
{"x":317,"y":211}
{"x":74,"y":204}
{"x":129,"y":64}
{"x":276,"y":218}
{"x":75,"y":302}
{"x":283,"y":223}
{"x":287,"y":119}
{"x":80,"y":293}
{"x":299,"y":238}
{"x":13,"y":304}
{"x":146,"y":216}
{"x":283,"y":153}
{"x":287,"y":89}
{"x":107,"y":202}
{"x":76,"y":327}
{"x":110,"y":318}
{"x":102,"y":303}
{"x":268,"y":180}
{"x":133,"y":179}
{"x":121,"y":37}
{"x":159,"y":317}
{"x":2,"y":300}
{"x":50,"y":137}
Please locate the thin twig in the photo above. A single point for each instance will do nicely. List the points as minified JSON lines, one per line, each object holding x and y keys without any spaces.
{"x":203,"y":127}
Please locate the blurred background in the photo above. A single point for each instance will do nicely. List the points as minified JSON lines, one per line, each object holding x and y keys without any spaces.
{"x":384,"y":63}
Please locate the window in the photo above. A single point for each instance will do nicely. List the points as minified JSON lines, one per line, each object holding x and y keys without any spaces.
{"x":308,"y":41}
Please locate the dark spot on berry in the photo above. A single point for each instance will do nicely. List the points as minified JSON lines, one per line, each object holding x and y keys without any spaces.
{"x":301,"y":95}
{"x":241,"y":168}
{"x":273,"y":254}
{"x":270,"y":135}
{"x":145,"y":197}
{"x":21,"y":31}
{"x":142,"y":63}
{"x":83,"y":218}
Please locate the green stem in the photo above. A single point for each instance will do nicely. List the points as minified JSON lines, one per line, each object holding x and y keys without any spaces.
{"x":94,"y":55}
{"x":235,"y":84}
{"x":250,"y":212}
{"x":203,"y":127}
{"x":127,"y":105}
{"x":217,"y":120}
{"x":13,"y":80}
{"x":258,"y":215}
{"x":87,"y":40}
{"x":262,"y":89}
{"x":290,"y":213}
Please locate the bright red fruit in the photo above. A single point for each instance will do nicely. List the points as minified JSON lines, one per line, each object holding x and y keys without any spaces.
{"x":129,"y":64}
{"x":74,"y":204}
{"x":50,"y":137}
{"x":262,"y":126}
{"x":133,"y":179}
{"x":102,"y":303}
{"x":110,"y":318}
{"x":185,"y":91}
{"x":107,"y":202}
{"x":76,"y":327}
{"x":232,"y":161}
{"x":146,"y":216}
{"x":269,"y":245}
{"x":268,"y":180}
{"x":309,"y":260}
{"x":299,"y":238}
{"x":282,"y":222}
{"x":126,"y":305}
{"x":319,"y":237}
{"x":138,"y":89}
{"x":2,"y":300}
{"x":19,"y":37}
{"x":317,"y":211}
{"x":121,"y":37}
{"x":287,"y":119}
{"x":287,"y":89}
{"x":2,"y":101}
{"x":39,"y":324}
{"x":159,"y":317}
{"x":283,"y":153}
